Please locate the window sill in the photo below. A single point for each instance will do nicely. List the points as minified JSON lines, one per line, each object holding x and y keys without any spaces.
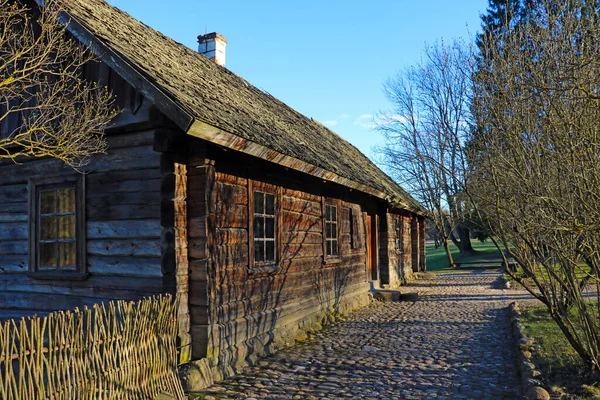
{"x":265,"y":270}
{"x":59,"y":275}
{"x":331,"y":261}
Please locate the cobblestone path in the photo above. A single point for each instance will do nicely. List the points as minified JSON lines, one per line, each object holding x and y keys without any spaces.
{"x":454,"y":342}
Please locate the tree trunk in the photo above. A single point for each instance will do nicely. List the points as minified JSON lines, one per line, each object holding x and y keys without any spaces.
{"x":448,"y":253}
{"x":465,"y":246}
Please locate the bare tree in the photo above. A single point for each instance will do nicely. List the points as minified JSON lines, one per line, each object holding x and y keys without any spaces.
{"x":535,"y":161}
{"x":46,"y":107}
{"x":425,"y":136}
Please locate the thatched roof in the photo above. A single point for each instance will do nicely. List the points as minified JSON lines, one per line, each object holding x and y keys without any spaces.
{"x":219,"y":98}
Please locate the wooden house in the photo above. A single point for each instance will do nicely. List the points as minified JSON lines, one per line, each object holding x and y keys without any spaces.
{"x":262,"y":220}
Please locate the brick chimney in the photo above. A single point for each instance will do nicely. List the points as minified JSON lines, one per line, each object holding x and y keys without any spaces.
{"x":212,"y":45}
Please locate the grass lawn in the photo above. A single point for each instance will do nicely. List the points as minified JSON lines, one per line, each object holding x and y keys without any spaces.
{"x":562,"y":370}
{"x":438,"y":262}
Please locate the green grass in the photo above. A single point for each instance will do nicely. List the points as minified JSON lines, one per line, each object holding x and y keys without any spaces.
{"x":437,"y":261}
{"x":561,"y":367}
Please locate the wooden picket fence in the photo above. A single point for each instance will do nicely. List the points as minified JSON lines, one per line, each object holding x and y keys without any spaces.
{"x":119,"y":350}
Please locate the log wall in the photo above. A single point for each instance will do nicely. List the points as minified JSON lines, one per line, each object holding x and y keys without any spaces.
{"x":123,"y":230}
{"x":240,"y":312}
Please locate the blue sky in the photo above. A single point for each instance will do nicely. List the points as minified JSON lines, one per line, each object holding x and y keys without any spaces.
{"x":325,"y":58}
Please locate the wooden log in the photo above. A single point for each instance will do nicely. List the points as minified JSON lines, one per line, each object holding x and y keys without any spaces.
{"x":123,"y":229}
{"x":301,"y":195}
{"x":11,"y":247}
{"x":230,"y":236}
{"x":301,"y":206}
{"x":125,"y":266}
{"x":123,"y":211}
{"x":93,"y":286}
{"x":299,"y":237}
{"x":121,"y":247}
{"x":14,"y":263}
{"x":232,"y":179}
{"x":13,"y":193}
{"x":13,"y":230}
{"x":231,"y":216}
{"x":302,"y":250}
{"x":294,"y":222}
{"x":142,"y":157}
{"x":123,"y":198}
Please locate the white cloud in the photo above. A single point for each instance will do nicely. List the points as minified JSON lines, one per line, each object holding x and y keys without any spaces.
{"x":365,"y":120}
{"x":344,"y":116}
{"x":330,"y":122}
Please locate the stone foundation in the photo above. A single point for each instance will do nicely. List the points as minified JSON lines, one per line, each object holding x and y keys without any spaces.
{"x":293,"y":324}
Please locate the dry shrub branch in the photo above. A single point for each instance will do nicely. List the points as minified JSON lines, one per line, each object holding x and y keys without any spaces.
{"x":535,"y":160}
{"x":46,"y":107}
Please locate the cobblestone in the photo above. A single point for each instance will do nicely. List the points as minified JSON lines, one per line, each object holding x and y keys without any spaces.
{"x":454,"y":342}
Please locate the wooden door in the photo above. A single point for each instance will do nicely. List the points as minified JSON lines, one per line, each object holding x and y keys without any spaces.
{"x":371,"y":223}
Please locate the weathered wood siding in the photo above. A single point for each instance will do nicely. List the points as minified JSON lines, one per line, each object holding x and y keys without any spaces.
{"x":239,"y":312}
{"x":123,"y":230}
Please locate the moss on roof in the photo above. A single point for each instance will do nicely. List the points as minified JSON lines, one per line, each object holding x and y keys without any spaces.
{"x":220,"y":98}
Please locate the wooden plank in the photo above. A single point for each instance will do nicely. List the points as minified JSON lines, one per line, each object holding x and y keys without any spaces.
{"x":300,"y":237}
{"x":19,"y":207}
{"x":94,"y":286}
{"x":294,"y":222}
{"x":125,"y":266}
{"x":301,"y":206}
{"x":299,"y":195}
{"x":130,"y":185}
{"x":231,"y":236}
{"x":125,"y":211}
{"x":142,"y":157}
{"x":232,"y":179}
{"x":122,"y":198}
{"x":230,"y":256}
{"x":13,"y":230}
{"x":147,"y":228}
{"x":119,"y":177}
{"x":302,"y":250}
{"x":13,"y":193}
{"x":10,"y":247}
{"x":133,"y":139}
{"x":45,"y":301}
{"x":131,"y":247}
{"x":230,"y":194}
{"x":14,"y":263}
{"x":231,"y":216}
{"x":198,"y":248}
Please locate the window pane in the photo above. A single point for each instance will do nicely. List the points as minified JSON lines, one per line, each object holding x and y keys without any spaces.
{"x":48,"y":201}
{"x":259,"y":251}
{"x":334,"y":248}
{"x":66,"y":200}
{"x":66,"y":254}
{"x":270,"y":204}
{"x":47,"y":228}
{"x":333,"y":213}
{"x":327,"y":230}
{"x":270,"y":251}
{"x":259,"y":202}
{"x":327,"y":212}
{"x":334,"y":231}
{"x":270,"y":228}
{"x":47,"y":255}
{"x":328,"y":248}
{"x":259,"y":227}
{"x":66,"y":227}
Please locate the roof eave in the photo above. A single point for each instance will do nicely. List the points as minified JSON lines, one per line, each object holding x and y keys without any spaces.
{"x":226,"y":139}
